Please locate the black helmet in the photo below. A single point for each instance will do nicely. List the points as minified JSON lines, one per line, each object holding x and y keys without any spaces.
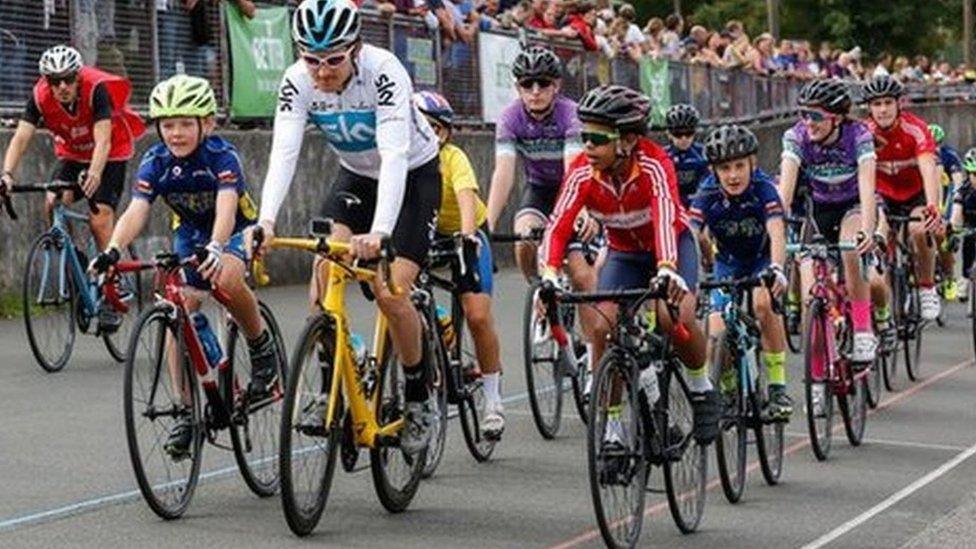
{"x":617,"y":106}
{"x":730,"y":142}
{"x":681,"y":117}
{"x":828,"y":94}
{"x":537,"y":62}
{"x":883,"y":86}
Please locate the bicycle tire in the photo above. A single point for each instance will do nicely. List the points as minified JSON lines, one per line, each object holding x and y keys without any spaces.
{"x":685,"y":478}
{"x":820,"y":435}
{"x":730,"y":445}
{"x":853,"y":410}
{"x":889,"y":364}
{"x":48,"y":249}
{"x":471,"y":396}
{"x":770,"y":435}
{"x":873,"y":383}
{"x":615,"y":381}
{"x":546,"y":417}
{"x":437,"y":379}
{"x":913,"y":339}
{"x":304,"y":394}
{"x":263,"y":421}
{"x":152,"y":486}
{"x":580,"y":380}
{"x":116,"y":341}
{"x":395,"y":497}
{"x":794,"y":337}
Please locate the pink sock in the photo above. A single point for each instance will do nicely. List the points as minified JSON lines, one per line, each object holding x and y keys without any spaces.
{"x":861,"y":315}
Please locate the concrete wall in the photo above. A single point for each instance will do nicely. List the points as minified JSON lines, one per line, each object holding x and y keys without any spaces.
{"x":312,"y":179}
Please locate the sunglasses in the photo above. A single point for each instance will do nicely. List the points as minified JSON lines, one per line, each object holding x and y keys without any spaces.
{"x":597,"y":138}
{"x":813,"y":116}
{"x":55,"y":81}
{"x":334,"y":60}
{"x":529,"y":83}
{"x":683,"y":133}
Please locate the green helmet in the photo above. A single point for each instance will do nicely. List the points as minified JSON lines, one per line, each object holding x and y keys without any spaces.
{"x":937,"y":132}
{"x":182,"y":95}
{"x":969,"y":162}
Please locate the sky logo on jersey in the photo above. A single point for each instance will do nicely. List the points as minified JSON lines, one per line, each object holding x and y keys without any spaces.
{"x":349,"y":132}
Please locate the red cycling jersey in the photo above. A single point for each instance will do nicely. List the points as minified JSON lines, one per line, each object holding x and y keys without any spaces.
{"x":641,"y":214}
{"x":898,"y":149}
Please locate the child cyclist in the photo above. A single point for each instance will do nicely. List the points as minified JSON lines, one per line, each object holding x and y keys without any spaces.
{"x":951,"y":175}
{"x":963,"y":214}
{"x":738,"y":207}
{"x":687,"y":154}
{"x":201,"y":178}
{"x":462,"y":211}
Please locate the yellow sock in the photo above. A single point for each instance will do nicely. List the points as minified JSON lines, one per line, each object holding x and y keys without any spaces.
{"x":776,"y":367}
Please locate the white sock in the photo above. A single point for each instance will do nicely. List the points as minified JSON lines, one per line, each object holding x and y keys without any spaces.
{"x":492,"y":384}
{"x":699,"y":384}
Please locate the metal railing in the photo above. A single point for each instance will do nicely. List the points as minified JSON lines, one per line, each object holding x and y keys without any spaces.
{"x":148,"y":40}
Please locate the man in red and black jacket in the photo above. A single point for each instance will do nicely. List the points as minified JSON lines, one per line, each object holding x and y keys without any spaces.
{"x":86,"y":110}
{"x":628,"y":183}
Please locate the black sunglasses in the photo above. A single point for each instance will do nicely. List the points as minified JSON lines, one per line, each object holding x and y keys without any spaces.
{"x":56,"y":81}
{"x":683,"y":133}
{"x":529,"y":83}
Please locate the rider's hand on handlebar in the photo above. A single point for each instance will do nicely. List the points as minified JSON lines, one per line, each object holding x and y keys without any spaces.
{"x":366,"y":246}
{"x":104,"y":261}
{"x":211,"y":266}
{"x":677,"y":287}
{"x":777,"y":279}
{"x":932,"y":219}
{"x":6,"y":182}
{"x":865,"y":244}
{"x":90,"y":181}
{"x":587,"y":227}
{"x":266,"y":229}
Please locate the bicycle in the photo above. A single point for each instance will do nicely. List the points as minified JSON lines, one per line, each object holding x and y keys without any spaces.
{"x":327,"y":385}
{"x":827,"y":343}
{"x":58,"y":296}
{"x":740,"y":350}
{"x":790,"y":300}
{"x":905,"y":301}
{"x":462,"y":384}
{"x":657,"y":430}
{"x":547,"y":364}
{"x":166,"y":368}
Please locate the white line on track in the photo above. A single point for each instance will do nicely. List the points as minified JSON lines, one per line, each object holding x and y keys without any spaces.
{"x":891,"y":442}
{"x":892,"y":499}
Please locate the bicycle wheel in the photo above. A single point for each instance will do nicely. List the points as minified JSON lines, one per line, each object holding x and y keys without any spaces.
{"x":160,"y":388}
{"x":396,"y":474}
{"x":769,"y":434}
{"x":617,"y":470}
{"x":50,"y":303}
{"x":889,"y":363}
{"x":816,"y":352}
{"x":913,"y":335}
{"x":471,"y":397}
{"x":872,"y":383}
{"x":254,"y":425}
{"x":791,"y":312}
{"x":542,"y":375}
{"x":581,"y":379}
{"x":436,"y":374}
{"x":307,"y":447}
{"x":730,"y":446}
{"x":685,"y":474}
{"x":853,"y":409}
{"x":131,"y":284}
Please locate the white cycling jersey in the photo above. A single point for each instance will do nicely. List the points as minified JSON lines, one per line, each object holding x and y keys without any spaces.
{"x":372,"y":125}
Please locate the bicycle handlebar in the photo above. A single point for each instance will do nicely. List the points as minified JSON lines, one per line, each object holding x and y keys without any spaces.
{"x":56,"y":187}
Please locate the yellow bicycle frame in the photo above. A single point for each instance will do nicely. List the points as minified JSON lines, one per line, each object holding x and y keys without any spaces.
{"x":346,"y":377}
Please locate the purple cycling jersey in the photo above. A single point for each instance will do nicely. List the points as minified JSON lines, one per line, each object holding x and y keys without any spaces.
{"x":542,"y":144}
{"x":830,"y":170}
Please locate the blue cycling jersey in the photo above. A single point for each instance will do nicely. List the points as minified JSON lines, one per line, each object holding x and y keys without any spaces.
{"x":737,"y":224}
{"x":691,"y":166}
{"x":190,"y":185}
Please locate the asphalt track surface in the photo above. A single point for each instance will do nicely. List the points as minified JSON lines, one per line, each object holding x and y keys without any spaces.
{"x":65,"y":478}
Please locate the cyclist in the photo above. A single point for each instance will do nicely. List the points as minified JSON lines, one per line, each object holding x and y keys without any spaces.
{"x":963,"y":213}
{"x":687,"y":154}
{"x":951,"y":175}
{"x":835,"y":155}
{"x":201,"y":178}
{"x":462,"y":211}
{"x":628,"y":183}
{"x":360,"y":96}
{"x":739,"y":208}
{"x":94,"y":130}
{"x":541,"y":127}
{"x":907,"y":179}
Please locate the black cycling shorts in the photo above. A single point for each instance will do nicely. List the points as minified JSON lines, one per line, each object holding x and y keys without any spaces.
{"x":537,"y":201}
{"x":352,"y":202}
{"x":904,"y":209}
{"x":110,"y":190}
{"x":829,"y":217}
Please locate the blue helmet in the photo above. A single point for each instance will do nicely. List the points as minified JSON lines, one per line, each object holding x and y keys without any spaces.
{"x":435,"y":106}
{"x":321,"y":25}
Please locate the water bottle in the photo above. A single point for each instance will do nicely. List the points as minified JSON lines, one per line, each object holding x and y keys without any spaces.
{"x":447,"y":327}
{"x":358,"y":349}
{"x":648,"y":382}
{"x":208,"y":339}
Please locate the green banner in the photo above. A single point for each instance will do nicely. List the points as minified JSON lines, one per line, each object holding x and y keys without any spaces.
{"x":654,"y":83}
{"x":260,"y":50}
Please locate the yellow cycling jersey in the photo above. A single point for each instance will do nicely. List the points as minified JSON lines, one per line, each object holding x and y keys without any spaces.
{"x":457,"y":174}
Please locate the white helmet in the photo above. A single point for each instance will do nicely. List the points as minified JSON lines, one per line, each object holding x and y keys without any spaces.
{"x":320,"y":25}
{"x":60,"y":59}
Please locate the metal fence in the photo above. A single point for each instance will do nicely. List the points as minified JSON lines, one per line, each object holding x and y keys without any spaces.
{"x":148,"y":40}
